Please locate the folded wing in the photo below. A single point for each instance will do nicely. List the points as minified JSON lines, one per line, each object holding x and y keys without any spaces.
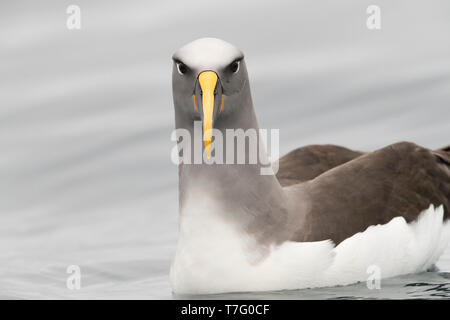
{"x":402,"y":179}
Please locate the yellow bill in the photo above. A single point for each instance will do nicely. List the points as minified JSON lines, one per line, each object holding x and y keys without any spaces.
{"x":208,"y":81}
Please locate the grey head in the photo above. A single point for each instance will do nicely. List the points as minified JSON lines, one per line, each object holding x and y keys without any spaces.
{"x":210,"y":84}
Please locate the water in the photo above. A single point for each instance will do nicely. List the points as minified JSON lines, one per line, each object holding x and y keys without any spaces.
{"x":86,"y":116}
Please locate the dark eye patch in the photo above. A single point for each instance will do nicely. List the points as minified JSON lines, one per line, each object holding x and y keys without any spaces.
{"x":234,"y":66}
{"x":182,"y":68}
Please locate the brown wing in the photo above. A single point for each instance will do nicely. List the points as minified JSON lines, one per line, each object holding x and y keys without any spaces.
{"x":308,"y":162}
{"x":402,"y":179}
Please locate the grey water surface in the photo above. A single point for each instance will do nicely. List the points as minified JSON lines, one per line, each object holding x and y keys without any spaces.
{"x":86,"y":117}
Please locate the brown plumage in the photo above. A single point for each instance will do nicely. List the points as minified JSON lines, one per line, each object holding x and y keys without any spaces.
{"x":349,"y":191}
{"x":308,"y":162}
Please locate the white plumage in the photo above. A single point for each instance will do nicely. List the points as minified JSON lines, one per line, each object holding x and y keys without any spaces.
{"x":214,"y":257}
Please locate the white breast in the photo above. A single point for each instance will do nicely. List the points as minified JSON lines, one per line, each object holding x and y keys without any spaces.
{"x":213,"y":256}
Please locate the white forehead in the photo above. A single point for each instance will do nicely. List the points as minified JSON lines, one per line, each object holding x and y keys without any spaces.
{"x":208,"y":53}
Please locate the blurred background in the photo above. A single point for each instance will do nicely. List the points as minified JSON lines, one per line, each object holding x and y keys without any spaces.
{"x":86,"y":116}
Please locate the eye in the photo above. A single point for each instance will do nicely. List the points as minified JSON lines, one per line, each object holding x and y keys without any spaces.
{"x":234,"y":66}
{"x":181,"y":67}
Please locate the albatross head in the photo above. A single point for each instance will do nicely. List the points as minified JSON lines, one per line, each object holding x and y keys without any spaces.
{"x":207,"y":80}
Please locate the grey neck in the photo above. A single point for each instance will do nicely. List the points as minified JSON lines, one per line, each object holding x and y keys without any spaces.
{"x":254,"y":202}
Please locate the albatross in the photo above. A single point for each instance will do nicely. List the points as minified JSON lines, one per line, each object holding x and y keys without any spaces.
{"x":328,"y":217}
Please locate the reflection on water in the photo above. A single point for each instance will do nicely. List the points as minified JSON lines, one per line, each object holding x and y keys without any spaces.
{"x":428,"y":285}
{"x":86,"y":117}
